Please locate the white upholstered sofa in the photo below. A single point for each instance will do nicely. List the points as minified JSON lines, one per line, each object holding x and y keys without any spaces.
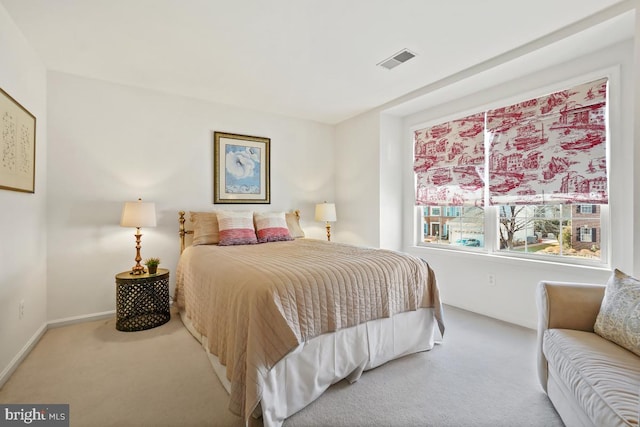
{"x":590,"y":380}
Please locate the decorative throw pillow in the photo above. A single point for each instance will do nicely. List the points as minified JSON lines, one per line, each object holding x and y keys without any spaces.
{"x":236,"y":228}
{"x":619,"y":316}
{"x":293,"y":223}
{"x":271,"y":227}
{"x":205,"y":228}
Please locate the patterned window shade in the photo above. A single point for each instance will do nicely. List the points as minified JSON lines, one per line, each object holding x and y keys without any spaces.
{"x":449,"y":163}
{"x":550,"y":149}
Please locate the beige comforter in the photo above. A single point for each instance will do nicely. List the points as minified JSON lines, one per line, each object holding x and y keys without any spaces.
{"x":256,"y":303}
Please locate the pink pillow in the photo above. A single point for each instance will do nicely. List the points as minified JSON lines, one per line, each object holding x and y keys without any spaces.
{"x":236,"y":228}
{"x":271,"y":227}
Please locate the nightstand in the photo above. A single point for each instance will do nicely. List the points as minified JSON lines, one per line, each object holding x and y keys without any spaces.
{"x":142,"y":300}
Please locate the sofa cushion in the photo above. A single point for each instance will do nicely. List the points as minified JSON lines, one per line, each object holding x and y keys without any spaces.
{"x":619,"y":316}
{"x":603,"y":377}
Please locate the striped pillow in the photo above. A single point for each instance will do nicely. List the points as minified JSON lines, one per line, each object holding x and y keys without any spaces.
{"x":271,"y":227}
{"x":236,"y":228}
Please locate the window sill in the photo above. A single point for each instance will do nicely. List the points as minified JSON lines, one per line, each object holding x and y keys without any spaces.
{"x":511,"y":258}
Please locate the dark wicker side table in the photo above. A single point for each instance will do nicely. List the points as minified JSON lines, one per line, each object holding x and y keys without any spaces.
{"x":142,"y":300}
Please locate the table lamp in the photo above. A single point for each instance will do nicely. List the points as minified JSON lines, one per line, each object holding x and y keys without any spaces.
{"x":138,"y":214}
{"x":326,"y":212}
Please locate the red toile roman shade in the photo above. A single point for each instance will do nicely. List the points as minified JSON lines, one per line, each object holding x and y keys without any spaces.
{"x":550,"y":149}
{"x":448,"y":163}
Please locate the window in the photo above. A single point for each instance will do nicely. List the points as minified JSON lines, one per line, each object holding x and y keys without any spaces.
{"x":587,"y":234}
{"x":586,"y":209}
{"x":539,"y":165}
{"x":455,"y":225}
{"x":548,"y":230}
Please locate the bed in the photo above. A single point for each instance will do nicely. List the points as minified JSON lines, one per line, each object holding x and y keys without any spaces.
{"x":283,"y":320}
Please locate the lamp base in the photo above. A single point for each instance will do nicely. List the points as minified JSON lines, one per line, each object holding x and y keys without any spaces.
{"x":137,"y":269}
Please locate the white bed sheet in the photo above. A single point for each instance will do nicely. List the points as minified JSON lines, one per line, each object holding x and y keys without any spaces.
{"x":305,"y":373}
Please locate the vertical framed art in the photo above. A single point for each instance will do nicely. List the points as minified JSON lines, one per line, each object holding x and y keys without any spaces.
{"x":17,"y":146}
{"x":241,"y":168}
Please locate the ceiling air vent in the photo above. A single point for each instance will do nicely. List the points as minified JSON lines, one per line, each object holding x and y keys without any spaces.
{"x":398,"y":58}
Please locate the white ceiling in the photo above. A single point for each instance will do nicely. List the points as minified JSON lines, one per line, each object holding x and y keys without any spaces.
{"x":301,"y":58}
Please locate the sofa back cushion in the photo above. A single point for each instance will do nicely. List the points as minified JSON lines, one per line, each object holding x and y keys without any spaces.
{"x":619,"y":316}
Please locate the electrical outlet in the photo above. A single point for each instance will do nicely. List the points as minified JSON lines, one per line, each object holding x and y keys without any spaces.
{"x":21,"y":309}
{"x":491,"y":280}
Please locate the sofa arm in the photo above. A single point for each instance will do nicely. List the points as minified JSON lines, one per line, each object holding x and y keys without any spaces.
{"x":568,"y":305}
{"x":565,"y":306}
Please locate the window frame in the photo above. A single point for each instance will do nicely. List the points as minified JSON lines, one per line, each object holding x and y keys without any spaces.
{"x":491,"y":245}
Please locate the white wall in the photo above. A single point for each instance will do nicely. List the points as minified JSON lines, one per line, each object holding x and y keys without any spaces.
{"x":111,"y":143}
{"x":463,"y":277}
{"x":357,"y":174}
{"x":23,"y":234}
{"x":392,"y":144}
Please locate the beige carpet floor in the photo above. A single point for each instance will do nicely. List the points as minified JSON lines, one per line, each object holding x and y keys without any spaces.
{"x":482,"y":375}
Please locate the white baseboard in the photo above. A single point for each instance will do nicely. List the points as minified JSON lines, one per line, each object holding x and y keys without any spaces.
{"x":22,"y":354}
{"x":80,"y":319}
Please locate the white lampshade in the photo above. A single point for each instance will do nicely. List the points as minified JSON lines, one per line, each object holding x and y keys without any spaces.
{"x":138,"y":214}
{"x":326,"y":212}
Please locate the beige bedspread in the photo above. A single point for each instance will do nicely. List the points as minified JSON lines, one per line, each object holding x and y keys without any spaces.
{"x":256,"y":303}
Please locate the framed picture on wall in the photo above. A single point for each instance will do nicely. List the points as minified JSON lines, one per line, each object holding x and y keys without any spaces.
{"x":17,"y":146}
{"x":240,"y":168}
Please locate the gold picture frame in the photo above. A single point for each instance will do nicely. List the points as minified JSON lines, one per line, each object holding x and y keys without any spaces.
{"x":17,"y":146}
{"x":241,"y":170}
